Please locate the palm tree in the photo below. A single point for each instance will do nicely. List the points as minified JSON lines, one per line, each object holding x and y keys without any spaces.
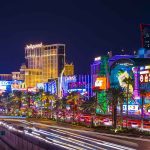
{"x":28,"y":98}
{"x":142,"y":94}
{"x":73,"y":99}
{"x":18,"y":98}
{"x":89,"y":107}
{"x":38,"y":98}
{"x":114,"y":96}
{"x":128,"y":81}
{"x":49,"y":101}
{"x":60,"y":104}
{"x":121,"y":99}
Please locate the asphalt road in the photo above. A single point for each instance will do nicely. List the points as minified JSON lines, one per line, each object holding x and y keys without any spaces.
{"x":80,"y":139}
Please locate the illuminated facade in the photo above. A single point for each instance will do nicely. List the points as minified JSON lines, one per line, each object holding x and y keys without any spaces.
{"x":95,"y":70}
{"x":19,"y":75}
{"x":5,"y":76}
{"x":144,"y":83}
{"x":49,"y":59}
{"x":32,"y":77}
{"x":144,"y":52}
{"x":9,"y":85}
{"x":16,"y":75}
{"x":145,"y":35}
{"x":138,"y":69}
{"x":76,"y":83}
{"x":69,"y":70}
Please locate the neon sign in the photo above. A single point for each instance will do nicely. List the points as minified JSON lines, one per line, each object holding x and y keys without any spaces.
{"x":101,"y":83}
{"x":77,"y":85}
{"x":71,"y":78}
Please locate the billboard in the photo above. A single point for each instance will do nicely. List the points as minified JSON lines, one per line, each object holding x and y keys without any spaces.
{"x":10,"y":85}
{"x":145,"y":76}
{"x":144,"y":80}
{"x":101,"y":83}
{"x":40,"y":86}
{"x":52,"y":87}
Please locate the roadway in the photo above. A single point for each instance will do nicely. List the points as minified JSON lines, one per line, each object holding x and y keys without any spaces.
{"x":78,"y":139}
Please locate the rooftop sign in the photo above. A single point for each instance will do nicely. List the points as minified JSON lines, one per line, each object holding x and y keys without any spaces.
{"x":31,"y":46}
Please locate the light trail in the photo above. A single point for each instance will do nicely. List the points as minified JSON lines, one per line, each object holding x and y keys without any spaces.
{"x":71,"y":140}
{"x":57,"y":136}
{"x":99,"y":142}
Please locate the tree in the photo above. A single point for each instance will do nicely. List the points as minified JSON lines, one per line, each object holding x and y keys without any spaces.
{"x":73,"y":99}
{"x":28,"y":96}
{"x":121,"y":99}
{"x":18,"y":98}
{"x":89,"y":106}
{"x":142,"y":95}
{"x":49,"y":101}
{"x":114,"y":96}
{"x":60,"y":104}
{"x":129,"y":82}
{"x":38,"y":99}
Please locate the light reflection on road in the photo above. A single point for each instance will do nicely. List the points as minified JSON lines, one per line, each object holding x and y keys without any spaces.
{"x":66,"y":138}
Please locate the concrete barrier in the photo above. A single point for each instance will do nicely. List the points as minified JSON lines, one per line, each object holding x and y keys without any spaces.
{"x":20,"y":142}
{"x":4,"y":145}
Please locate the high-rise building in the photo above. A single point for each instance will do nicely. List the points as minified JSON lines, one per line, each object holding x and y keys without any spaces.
{"x":144,"y":52}
{"x":50,"y":59}
{"x":145,"y":35}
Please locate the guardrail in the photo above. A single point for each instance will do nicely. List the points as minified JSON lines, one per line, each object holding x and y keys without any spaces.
{"x":12,"y":117}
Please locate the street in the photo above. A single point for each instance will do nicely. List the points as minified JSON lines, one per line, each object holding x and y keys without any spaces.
{"x":68,"y":138}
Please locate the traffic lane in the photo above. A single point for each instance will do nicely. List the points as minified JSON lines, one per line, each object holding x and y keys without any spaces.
{"x":53,"y":138}
{"x":79,"y":136}
{"x":133,"y":142}
{"x":82,"y":139}
{"x":105,"y":141}
{"x":35,"y":139}
{"x":77,"y":141}
{"x":102,"y":137}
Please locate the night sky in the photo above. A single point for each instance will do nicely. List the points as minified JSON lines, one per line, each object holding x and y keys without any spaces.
{"x":89,"y":28}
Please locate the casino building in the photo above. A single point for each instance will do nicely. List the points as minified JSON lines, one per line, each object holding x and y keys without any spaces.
{"x":120,"y":67}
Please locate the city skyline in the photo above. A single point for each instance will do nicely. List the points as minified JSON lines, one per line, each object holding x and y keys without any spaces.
{"x":91,"y":28}
{"x":75,"y":74}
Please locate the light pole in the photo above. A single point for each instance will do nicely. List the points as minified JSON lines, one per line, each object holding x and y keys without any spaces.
{"x":60,"y":84}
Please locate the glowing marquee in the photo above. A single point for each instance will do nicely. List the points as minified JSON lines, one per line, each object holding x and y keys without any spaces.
{"x":101,"y":83}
